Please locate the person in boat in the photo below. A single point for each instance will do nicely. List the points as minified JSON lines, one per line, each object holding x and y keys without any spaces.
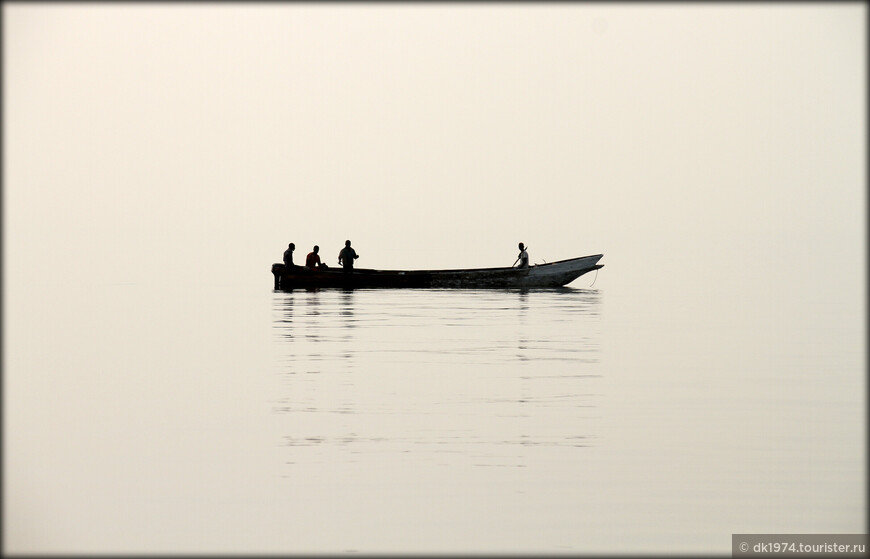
{"x":523,"y":258}
{"x":312,"y":261}
{"x":347,"y":256}
{"x":288,"y":257}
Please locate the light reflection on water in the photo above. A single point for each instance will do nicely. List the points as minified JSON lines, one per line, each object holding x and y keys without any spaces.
{"x":465,"y":378}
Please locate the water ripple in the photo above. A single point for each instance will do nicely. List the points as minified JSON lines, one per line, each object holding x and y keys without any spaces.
{"x":492,"y":378}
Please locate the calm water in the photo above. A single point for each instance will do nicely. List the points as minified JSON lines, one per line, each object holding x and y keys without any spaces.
{"x":629,"y":417}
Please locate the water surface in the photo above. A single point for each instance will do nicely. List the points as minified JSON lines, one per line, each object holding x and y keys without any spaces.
{"x":578,"y":420}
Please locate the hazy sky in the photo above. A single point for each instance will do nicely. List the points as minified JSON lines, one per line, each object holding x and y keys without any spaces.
{"x":175,"y":139}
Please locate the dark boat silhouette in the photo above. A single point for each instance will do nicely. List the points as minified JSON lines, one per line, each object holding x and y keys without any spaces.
{"x":552,"y":274}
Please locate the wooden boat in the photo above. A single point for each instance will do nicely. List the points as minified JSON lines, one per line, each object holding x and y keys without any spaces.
{"x":553,"y":274}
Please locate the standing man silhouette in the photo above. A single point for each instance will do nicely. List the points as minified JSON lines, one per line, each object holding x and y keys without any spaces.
{"x":347,"y":256}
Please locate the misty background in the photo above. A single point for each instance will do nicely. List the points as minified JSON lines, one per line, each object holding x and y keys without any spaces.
{"x":176,"y":139}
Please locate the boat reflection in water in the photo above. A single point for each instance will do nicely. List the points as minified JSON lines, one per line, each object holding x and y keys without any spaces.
{"x":398,"y":380}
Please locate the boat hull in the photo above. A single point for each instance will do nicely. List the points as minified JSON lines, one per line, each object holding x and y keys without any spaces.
{"x":554,"y":274}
